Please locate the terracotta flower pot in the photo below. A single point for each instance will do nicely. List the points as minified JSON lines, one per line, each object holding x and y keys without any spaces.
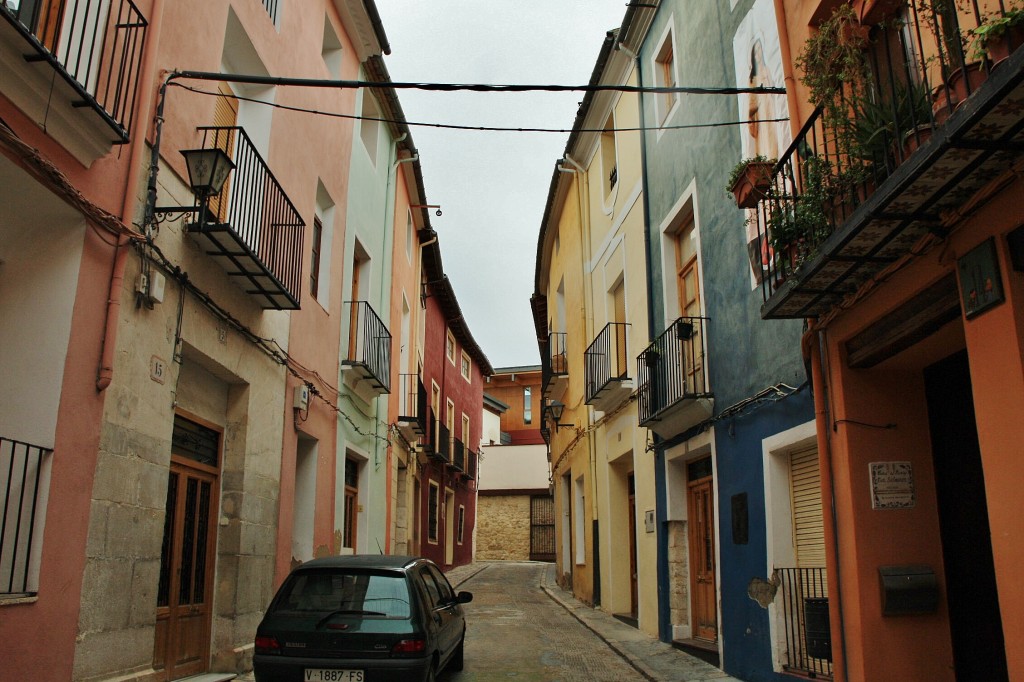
{"x":1002,"y":46}
{"x":949,"y":96}
{"x":913,"y":139}
{"x":752,"y":184}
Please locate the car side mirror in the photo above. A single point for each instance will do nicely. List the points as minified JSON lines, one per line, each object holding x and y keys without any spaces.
{"x":464,"y":597}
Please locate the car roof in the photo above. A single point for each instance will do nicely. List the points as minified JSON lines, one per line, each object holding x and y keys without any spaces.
{"x":385,"y":561}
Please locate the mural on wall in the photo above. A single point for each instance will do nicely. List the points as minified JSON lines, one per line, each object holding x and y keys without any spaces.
{"x":758,"y":60}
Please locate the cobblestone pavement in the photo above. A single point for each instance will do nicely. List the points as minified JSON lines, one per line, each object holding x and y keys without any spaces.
{"x":523,"y":626}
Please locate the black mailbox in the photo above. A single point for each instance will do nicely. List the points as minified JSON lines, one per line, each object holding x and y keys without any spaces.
{"x":908,"y":590}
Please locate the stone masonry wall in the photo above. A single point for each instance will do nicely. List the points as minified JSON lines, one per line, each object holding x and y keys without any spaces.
{"x":503,"y":528}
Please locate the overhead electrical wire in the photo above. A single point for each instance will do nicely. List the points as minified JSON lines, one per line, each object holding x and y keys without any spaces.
{"x":452,"y":126}
{"x":470,"y":87}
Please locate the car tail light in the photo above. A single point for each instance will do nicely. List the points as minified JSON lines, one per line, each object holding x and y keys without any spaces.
{"x":267,"y":645}
{"x":409,"y":647}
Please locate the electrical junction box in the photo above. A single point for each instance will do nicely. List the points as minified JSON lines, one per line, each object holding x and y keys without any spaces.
{"x":301,"y":397}
{"x":151,"y":287}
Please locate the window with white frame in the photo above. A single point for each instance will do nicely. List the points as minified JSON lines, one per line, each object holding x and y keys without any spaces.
{"x":449,"y":347}
{"x":665,"y":77}
{"x":466,"y":367}
{"x":609,"y":165}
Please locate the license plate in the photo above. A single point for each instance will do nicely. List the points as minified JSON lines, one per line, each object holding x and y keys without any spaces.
{"x":325,"y":675}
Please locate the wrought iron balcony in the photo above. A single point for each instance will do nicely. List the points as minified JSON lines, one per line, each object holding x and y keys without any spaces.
{"x":367,"y":363}
{"x":913,"y":142}
{"x":554,"y":366}
{"x":74,"y":54}
{"x":472,"y":458}
{"x":459,"y":455}
{"x":606,"y":368}
{"x":803,"y":598}
{"x":251,"y":228}
{"x":674,"y":393}
{"x":271,"y":7}
{"x":412,"y":410}
{"x":438,"y":439}
{"x":23,"y":480}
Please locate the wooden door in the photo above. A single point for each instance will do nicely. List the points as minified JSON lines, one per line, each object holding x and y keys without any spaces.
{"x":633,"y":610}
{"x":702,"y":555}
{"x":185,"y":591}
{"x":351,"y":504}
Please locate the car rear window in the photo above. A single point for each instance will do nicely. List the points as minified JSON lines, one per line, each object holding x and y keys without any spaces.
{"x":380,"y":594}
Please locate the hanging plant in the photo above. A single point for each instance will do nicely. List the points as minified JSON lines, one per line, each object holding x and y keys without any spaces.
{"x":834,"y":64}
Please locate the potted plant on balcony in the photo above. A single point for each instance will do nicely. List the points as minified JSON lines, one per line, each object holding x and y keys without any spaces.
{"x":890,"y":125}
{"x":797,"y":224}
{"x":750,"y":179}
{"x":834,"y":65}
{"x":999,"y":35}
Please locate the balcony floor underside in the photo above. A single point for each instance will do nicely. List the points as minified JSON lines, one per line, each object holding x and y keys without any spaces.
{"x":981,"y":141}
{"x":222,"y":243}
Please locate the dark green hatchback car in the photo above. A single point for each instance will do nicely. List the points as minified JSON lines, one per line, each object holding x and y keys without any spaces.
{"x":367,"y":618}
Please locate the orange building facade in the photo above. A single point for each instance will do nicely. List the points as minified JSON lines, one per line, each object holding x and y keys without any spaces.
{"x":914,"y":300}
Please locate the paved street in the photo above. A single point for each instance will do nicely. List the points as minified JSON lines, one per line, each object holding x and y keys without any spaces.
{"x":522,"y":626}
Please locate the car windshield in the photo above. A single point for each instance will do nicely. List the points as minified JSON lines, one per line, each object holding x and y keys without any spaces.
{"x":345,"y":591}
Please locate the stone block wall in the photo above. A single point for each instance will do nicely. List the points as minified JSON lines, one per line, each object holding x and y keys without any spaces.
{"x":503,"y":528}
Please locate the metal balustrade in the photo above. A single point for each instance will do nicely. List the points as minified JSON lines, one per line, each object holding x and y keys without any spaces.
{"x":251,"y":228}
{"x":605,"y":359}
{"x":369,"y":344}
{"x":803,"y":598}
{"x":860,"y":164}
{"x":23,"y":482}
{"x":94,"y":45}
{"x":459,"y":455}
{"x":554,"y":362}
{"x":412,"y":410}
{"x":671,"y":369}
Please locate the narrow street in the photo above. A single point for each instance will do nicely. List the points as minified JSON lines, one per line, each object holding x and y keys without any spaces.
{"x":518,"y":630}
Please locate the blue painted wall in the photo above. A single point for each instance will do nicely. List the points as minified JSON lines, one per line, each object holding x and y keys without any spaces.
{"x":746,"y":354}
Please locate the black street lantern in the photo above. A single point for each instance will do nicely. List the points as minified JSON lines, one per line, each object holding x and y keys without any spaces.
{"x":555,"y":409}
{"x":207,"y":170}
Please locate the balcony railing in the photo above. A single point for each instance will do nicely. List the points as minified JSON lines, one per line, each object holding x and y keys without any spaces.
{"x":554,"y":365}
{"x":459,"y":455}
{"x":606,"y":367}
{"x":412,"y":412}
{"x":95,"y":47}
{"x":369,"y":346}
{"x":472,"y":458}
{"x":271,"y":6}
{"x":876,"y":169}
{"x":803,"y":597}
{"x":23,"y":485}
{"x":672,"y":375}
{"x":251,"y":228}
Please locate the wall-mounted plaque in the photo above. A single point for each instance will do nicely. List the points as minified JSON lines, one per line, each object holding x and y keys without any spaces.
{"x":981,"y":285}
{"x":892,"y":485}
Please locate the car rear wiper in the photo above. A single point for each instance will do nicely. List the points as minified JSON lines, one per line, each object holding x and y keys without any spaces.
{"x":346,"y":612}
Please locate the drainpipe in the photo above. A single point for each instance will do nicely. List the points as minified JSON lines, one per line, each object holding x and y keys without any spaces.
{"x":786,"y":54}
{"x":583,"y":200}
{"x":105,"y":372}
{"x":812,"y":341}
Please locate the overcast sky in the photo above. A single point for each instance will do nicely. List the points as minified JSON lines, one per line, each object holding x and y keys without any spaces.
{"x":492,"y":186}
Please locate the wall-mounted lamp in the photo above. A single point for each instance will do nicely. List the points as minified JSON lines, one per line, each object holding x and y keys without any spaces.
{"x":207,"y":172}
{"x":437,"y":206}
{"x":555,"y":410}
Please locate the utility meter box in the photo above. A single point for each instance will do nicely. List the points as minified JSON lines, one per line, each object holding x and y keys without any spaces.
{"x":301,"y":397}
{"x":908,"y":590}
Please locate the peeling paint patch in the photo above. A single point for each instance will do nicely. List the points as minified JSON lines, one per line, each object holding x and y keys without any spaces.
{"x":764,"y":591}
